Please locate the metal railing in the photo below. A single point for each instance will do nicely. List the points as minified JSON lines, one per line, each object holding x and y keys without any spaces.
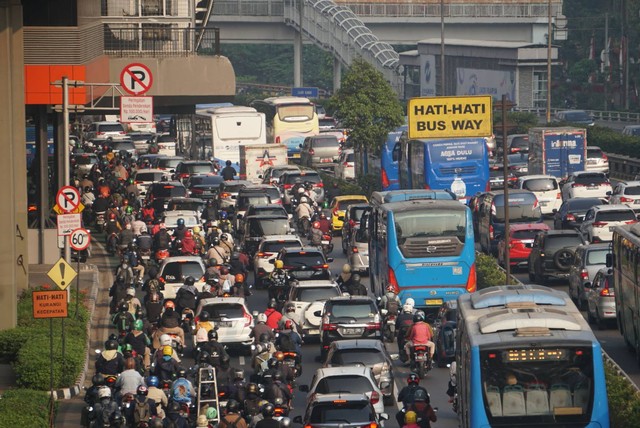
{"x":607,"y":116}
{"x":623,"y":167}
{"x":159,"y":40}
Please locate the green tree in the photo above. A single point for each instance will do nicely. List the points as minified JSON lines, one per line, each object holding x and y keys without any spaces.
{"x":367,"y":105}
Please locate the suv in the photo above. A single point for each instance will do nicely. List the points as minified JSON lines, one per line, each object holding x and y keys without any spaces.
{"x":158,"y":194}
{"x":338,"y":207}
{"x":546,"y":189}
{"x":349,"y":317}
{"x":597,"y":160}
{"x":174,"y":270}
{"x":305,"y":263}
{"x":257,"y":227}
{"x":340,"y":410}
{"x":308,"y":297}
{"x":318,"y":149}
{"x":273,"y":173}
{"x":166,"y":162}
{"x":589,"y":259}
{"x":288,"y":179}
{"x":586,"y":184}
{"x":600,"y":220}
{"x":267,"y":250}
{"x":232,"y":319}
{"x":552,"y":254}
{"x":628,"y":193}
{"x":579,"y":117}
{"x":100,"y":131}
{"x":352,"y":216}
{"x":445,"y":324}
{"x":187,"y":168}
{"x":228,"y":193}
{"x":249,"y":196}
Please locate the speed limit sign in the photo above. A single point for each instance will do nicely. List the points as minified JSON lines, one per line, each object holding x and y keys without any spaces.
{"x":79,"y":239}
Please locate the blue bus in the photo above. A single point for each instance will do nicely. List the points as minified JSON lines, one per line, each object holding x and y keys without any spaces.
{"x":458,"y":164}
{"x":389,"y":156}
{"x":424,"y":248}
{"x":525,"y":356}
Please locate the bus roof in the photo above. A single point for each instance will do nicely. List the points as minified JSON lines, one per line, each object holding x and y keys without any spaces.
{"x":422,"y":204}
{"x":226,"y":110}
{"x":287,"y":100}
{"x":378,"y":198}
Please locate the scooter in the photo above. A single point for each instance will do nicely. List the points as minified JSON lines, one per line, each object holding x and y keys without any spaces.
{"x":420,"y":360}
{"x":327,"y":246}
{"x":388,"y":325}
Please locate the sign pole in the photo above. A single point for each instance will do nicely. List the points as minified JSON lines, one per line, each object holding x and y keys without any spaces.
{"x":78,"y":286}
{"x":65,"y":145}
{"x":51,"y":402}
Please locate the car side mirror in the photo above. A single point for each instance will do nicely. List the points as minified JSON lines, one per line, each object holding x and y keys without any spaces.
{"x":609,"y":260}
{"x":587,"y":285}
{"x":609,"y":193}
{"x":330,"y":259}
{"x":172,"y":171}
{"x":260,"y":176}
{"x":297,"y":419}
{"x":303,"y":388}
{"x":340,"y":218}
{"x":272,"y":261}
{"x":554,"y":211}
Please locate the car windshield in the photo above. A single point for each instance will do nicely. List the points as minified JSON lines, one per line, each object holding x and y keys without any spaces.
{"x":591,"y":179}
{"x":632,"y":190}
{"x":274,"y":247}
{"x":520,"y":142}
{"x":171,"y":221}
{"x":168,"y":191}
{"x":312,"y":178}
{"x":123,"y":146}
{"x":554,"y":243}
{"x":342,"y":413}
{"x":206,"y":180}
{"x":168,"y":162}
{"x":175,"y":272}
{"x":597,"y":257}
{"x":108,"y":127}
{"x":312,"y":294}
{"x":200,"y":168}
{"x":141,"y":137}
{"x":346,"y":384}
{"x":267,"y":211}
{"x":149,"y":176}
{"x":303,"y":259}
{"x":524,"y":234}
{"x":621,"y":215}
{"x":348,"y":357}
{"x":352,"y":311}
{"x":583,"y":204}
{"x":265,"y":227}
{"x":540,"y":184}
{"x":343,"y":204}
{"x":224,"y":310}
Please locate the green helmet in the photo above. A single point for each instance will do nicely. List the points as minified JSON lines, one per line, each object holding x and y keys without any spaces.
{"x":130,"y":181}
{"x":138,"y":325}
{"x":128,"y":209}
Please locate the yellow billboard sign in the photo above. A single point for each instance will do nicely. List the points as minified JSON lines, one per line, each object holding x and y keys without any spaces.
{"x":450,"y":117}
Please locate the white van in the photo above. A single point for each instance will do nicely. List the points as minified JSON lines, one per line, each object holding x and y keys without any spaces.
{"x":546,"y":189}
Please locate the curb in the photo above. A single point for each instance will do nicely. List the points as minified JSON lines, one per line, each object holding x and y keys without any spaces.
{"x":66,"y":393}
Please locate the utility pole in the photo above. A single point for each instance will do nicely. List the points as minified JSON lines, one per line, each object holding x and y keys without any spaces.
{"x":549,"y":38}
{"x":606,"y":61}
{"x":442,"y":79}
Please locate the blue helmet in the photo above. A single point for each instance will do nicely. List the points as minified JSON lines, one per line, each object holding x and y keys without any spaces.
{"x":153,"y":381}
{"x":180,"y":222}
{"x":223,"y":215}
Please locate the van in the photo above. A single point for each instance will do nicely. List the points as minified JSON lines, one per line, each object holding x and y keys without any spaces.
{"x":546,"y":189}
{"x":323,"y":148}
{"x":523,"y":208}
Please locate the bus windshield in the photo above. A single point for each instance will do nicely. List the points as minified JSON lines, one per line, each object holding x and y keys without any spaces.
{"x":430,"y":223}
{"x":523,"y":385}
{"x":296,"y":112}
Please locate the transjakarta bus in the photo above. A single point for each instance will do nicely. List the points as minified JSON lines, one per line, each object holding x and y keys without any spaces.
{"x":389,"y":156}
{"x":526,"y":357}
{"x":458,"y":164}
{"x":424,"y":248}
{"x":289,"y":121}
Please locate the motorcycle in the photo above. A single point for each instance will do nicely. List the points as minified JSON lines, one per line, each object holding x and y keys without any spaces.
{"x":420,"y":360}
{"x":165,"y":386}
{"x":112,"y":244}
{"x":100,"y":221}
{"x":452,"y":390}
{"x":327,"y":246}
{"x":388,"y":325}
{"x":304,"y":225}
{"x":292,"y":360}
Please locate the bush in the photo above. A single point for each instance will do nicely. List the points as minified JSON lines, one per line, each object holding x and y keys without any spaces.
{"x":612,"y":141}
{"x":488,"y":272}
{"x":624,"y":400}
{"x":12,"y":340}
{"x":24,"y":408}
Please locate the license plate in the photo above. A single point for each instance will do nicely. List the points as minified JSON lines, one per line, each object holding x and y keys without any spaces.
{"x":421,"y":358}
{"x":592,"y":187}
{"x":592,"y":161}
{"x":544,"y":203}
{"x":433,"y":302}
{"x":352,"y":331}
{"x":226,"y":324}
{"x":326,"y":160}
{"x":296,"y":155}
{"x":290,"y":363}
{"x":637,"y":201}
{"x":314,"y":332}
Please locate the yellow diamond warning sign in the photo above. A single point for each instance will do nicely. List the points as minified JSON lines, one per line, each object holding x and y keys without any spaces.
{"x":62,"y":274}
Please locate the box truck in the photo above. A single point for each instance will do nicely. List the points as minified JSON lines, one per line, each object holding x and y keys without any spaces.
{"x":256,"y":158}
{"x":557,"y":151}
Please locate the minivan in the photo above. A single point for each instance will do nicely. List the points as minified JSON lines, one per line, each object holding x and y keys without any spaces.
{"x":523,"y":208}
{"x":323,"y":148}
{"x":546,"y":189}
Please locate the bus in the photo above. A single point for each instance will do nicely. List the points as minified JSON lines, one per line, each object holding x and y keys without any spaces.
{"x":626,"y":282}
{"x":458,"y":164}
{"x":289,"y":121}
{"x":230,"y":127}
{"x":389,"y":156}
{"x":525,"y":356}
{"x":421,"y":245}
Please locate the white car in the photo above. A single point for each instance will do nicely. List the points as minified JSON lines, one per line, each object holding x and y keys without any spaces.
{"x":267,"y":251}
{"x":546,"y":189}
{"x":174,"y":270}
{"x":308,"y":297}
{"x":231,"y":318}
{"x":597,"y":160}
{"x":170,"y":219}
{"x":586,"y":184}
{"x":100,"y":131}
{"x":346,"y":167}
{"x":358,"y":251}
{"x":627,"y":193}
{"x":346,"y":379}
{"x":144,"y":177}
{"x":600,"y":220}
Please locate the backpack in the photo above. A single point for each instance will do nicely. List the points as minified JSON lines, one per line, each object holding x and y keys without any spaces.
{"x":181,"y":391}
{"x":202,"y":335}
{"x":122,"y":321}
{"x":286,"y":344}
{"x":393,"y":307}
{"x":141,"y":412}
{"x":276,"y":392}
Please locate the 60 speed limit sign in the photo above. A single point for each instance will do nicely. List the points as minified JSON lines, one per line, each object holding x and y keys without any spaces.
{"x":79,"y":239}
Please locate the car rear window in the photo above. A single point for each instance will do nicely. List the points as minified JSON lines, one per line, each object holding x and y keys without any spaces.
{"x":348,"y":357}
{"x":520,"y":142}
{"x":169,"y":191}
{"x":312,"y":294}
{"x":110,"y":127}
{"x":347,"y":383}
{"x":524,"y":234}
{"x":622,"y":215}
{"x":591,"y":179}
{"x":272,"y":192}
{"x":264,"y":227}
{"x":224,"y":310}
{"x":540,"y":184}
{"x":523,"y":208}
{"x":175,"y":272}
{"x":198,"y":168}
{"x":351,"y":157}
{"x":329,"y":141}
{"x":597,"y":257}
{"x":306,"y":259}
{"x":185,"y":205}
{"x":123,"y":146}
{"x":632,"y":190}
{"x":86,"y":160}
{"x":274,"y":247}
{"x":594,"y":153}
{"x":234,"y":188}
{"x":342,"y":413}
{"x":583,"y":204}
{"x":267,"y":211}
{"x":555,"y":242}
{"x":245,"y":201}
{"x":206,"y":179}
{"x":312,"y":178}
{"x":342,"y":205}
{"x":356,"y":213}
{"x":149,"y":176}
{"x":351,"y":311}
{"x":168,"y":162}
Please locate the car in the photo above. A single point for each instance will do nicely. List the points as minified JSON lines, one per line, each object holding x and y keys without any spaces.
{"x":257,"y":227}
{"x":228,"y":192}
{"x":141,"y":141}
{"x":597,"y":160}
{"x":546,"y":189}
{"x":358,"y":250}
{"x":349,"y":317}
{"x":352,"y":216}
{"x":572,"y":211}
{"x":98,"y":132}
{"x":627,"y":193}
{"x":308,"y":297}
{"x":166,"y":162}
{"x":170,"y":219}
{"x":340,"y":133}
{"x":186,"y":168}
{"x":518,"y":163}
{"x":633,"y":130}
{"x":232,"y":319}
{"x":345,"y":379}
{"x":267,"y":250}
{"x":158,"y":194}
{"x":326,"y":123}
{"x":496,"y":176}
{"x":288,"y":180}
{"x":340,"y":411}
{"x":586,"y":184}
{"x":519,"y":244}
{"x":338,"y":206}
{"x":147,"y":160}
{"x":268,"y":209}
{"x":249,"y":196}
{"x":600,"y":220}
{"x":346,"y":167}
{"x":579,"y":117}
{"x":273,"y":173}
{"x":601,"y":301}
{"x":321,"y":111}
{"x":518,"y":143}
{"x":475,"y":205}
{"x":167,"y":144}
{"x":368,"y":352}
{"x":174,"y":270}
{"x":119,"y":146}
{"x":588,"y":261}
{"x":318,"y":149}
{"x":195,"y":205}
{"x":204,"y":186}
{"x":143,"y":178}
{"x":305,"y":263}
{"x":83,"y":163}
{"x":444,"y":326}
{"x":552,"y":254}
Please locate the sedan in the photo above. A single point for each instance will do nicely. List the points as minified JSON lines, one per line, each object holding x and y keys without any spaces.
{"x":518,"y":163}
{"x":204,"y":186}
{"x":601,"y":302}
{"x":572,"y":211}
{"x":519,"y":244}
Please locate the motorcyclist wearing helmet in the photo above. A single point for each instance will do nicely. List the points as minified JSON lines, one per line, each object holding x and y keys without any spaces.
{"x":217,"y":352}
{"x":124,"y":269}
{"x":169,"y":323}
{"x":166,"y":368}
{"x":278,"y":389}
{"x":187,"y":295}
{"x":161,"y":239}
{"x":325,"y":223}
{"x":390,"y":301}
{"x":422,"y":407}
{"x":304,"y":210}
{"x":344,"y":279}
{"x":316,"y":235}
{"x":110,"y":362}
{"x":406,"y":394}
{"x":117,"y":292}
{"x":267,"y":415}
{"x":182,"y":389}
{"x":288,"y":339}
{"x":157,"y":395}
{"x":140,"y":342}
{"x":132,"y":187}
{"x":290,"y":314}
{"x":88,"y":197}
{"x":137,"y":225}
{"x":232,"y":417}
{"x":112,"y":225}
{"x":189,"y":246}
{"x":217,"y":252}
{"x":91,"y":398}
{"x":288,"y":373}
{"x":225,"y":373}
{"x":226,"y":240}
{"x":239,"y":287}
{"x":126,"y":236}
{"x":277,"y":282}
{"x":180,"y":230}
{"x":273,"y":315}
{"x":404,"y":321}
{"x":174,"y":417}
{"x":237,"y":390}
{"x":261,"y":328}
{"x":252,"y":398}
{"x":203,"y":326}
{"x":419,"y":333}
{"x":356,"y":288}
{"x":106,"y":411}
{"x":261,"y":353}
{"x":132,"y":301}
{"x":123,"y":319}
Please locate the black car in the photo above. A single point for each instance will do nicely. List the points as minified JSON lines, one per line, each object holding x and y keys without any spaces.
{"x":552,"y":254}
{"x":256,"y":227}
{"x":349,"y":317}
{"x":305,"y":263}
{"x":158,"y":194}
{"x":204,"y":186}
{"x":572,"y":211}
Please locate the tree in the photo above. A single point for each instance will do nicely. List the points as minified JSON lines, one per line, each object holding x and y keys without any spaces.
{"x":367,"y":105}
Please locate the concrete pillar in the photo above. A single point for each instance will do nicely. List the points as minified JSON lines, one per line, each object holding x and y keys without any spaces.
{"x":337,"y":74}
{"x":297,"y":61}
{"x":14,"y":263}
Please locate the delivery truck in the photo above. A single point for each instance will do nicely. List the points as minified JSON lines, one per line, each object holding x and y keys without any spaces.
{"x":557,"y":151}
{"x":255,"y":159}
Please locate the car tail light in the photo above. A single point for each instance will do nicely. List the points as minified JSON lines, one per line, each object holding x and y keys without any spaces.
{"x":490,"y":232}
{"x":375,"y":397}
{"x":623,"y":199}
{"x":312,"y":152}
{"x":536,"y":204}
{"x":630,"y":221}
{"x":329,"y":327}
{"x":373,"y":326}
{"x":385,"y":179}
{"x":354,"y":249}
{"x":225,"y":195}
{"x":393,"y":281}
{"x":335,"y":211}
{"x":605,"y":158}
{"x":319,"y":185}
{"x":558,"y":195}
{"x":606,"y":291}
{"x":515,"y":149}
{"x":472,"y":281}
{"x":324,"y":266}
{"x":584,"y":274}
{"x":371,"y":425}
{"x":352,"y":222}
{"x":288,"y":186}
{"x":100,"y":133}
{"x":184,"y":175}
{"x":570,"y":217}
{"x":197,"y":191}
{"x":247,"y":317}
{"x":347,"y":164}
{"x":122,"y":133}
{"x":577,"y":185}
{"x":487,"y":188}
{"x":599,"y":223}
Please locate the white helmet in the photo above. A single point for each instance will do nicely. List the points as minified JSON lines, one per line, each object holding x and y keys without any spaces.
{"x":407,"y":308}
{"x":300,"y":190}
{"x":262,"y":318}
{"x":104,"y":392}
{"x":165,"y":340}
{"x":131,"y":291}
{"x":410,"y":302}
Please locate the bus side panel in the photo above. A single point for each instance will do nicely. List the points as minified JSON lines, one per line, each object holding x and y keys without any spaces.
{"x":404,"y":164}
{"x":477,"y":411}
{"x":389,"y":166}
{"x":600,"y":412}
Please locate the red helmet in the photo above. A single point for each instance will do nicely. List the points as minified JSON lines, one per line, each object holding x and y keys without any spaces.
{"x":288,"y":324}
{"x":239,"y":277}
{"x":112,"y":216}
{"x":316,"y":224}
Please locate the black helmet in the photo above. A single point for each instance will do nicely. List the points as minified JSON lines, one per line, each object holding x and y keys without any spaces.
{"x":142,"y":390}
{"x":418,"y":316}
{"x":267,"y":410}
{"x":238,"y":374}
{"x":355,"y":278}
{"x":124,"y":307}
{"x":204,"y":316}
{"x":252,"y":388}
{"x":182,"y":373}
{"x":203,"y":357}
{"x":97,"y":379}
{"x":212,"y":335}
{"x":420,"y":395}
{"x":273,"y":304}
{"x":264,"y":338}
{"x":233,"y":406}
{"x":174,"y":407}
{"x":111,"y":345}
{"x":272,"y":362}
{"x":277,"y":376}
{"x":189,"y":280}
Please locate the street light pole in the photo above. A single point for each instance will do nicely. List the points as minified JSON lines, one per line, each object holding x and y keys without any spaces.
{"x":549,"y":29}
{"x":442,"y":79}
{"x":65,"y":148}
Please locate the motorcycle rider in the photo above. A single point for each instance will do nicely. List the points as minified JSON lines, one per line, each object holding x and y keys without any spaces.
{"x":167,"y":367}
{"x":106,"y":411}
{"x":288,"y":373}
{"x":277,"y":280}
{"x":132,"y":301}
{"x":232,"y":417}
{"x":452,"y":386}
{"x":110,"y":362}
{"x":169,"y":323}
{"x":123,"y":319}
{"x":125,"y":270}
{"x":162,"y":239}
{"x":189,"y":247}
{"x":404,"y":321}
{"x":142,"y":409}
{"x":406,"y":395}
{"x":216,"y":252}
{"x":153,"y":306}
{"x":278,"y":389}
{"x":187,"y":295}
{"x":261,"y":353}
{"x":325,"y":223}
{"x":316,"y":235}
{"x":288,"y":339}
{"x":344,"y":279}
{"x":290,"y":314}
{"x":225,"y":373}
{"x":140,"y":342}
{"x":91,"y":398}
{"x":157,"y":395}
{"x":238,"y":388}
{"x":125,"y":237}
{"x":182,"y":389}
{"x":261,"y":328}
{"x":227,"y":242}
{"x":252,"y":398}
{"x":180,"y":230}
{"x":129,"y":379}
{"x":267,"y":414}
{"x":422,"y":407}
{"x":228,"y":172}
{"x":303,"y":211}
{"x":390,"y":301}
{"x":356,"y":288}
{"x":419,"y":334}
{"x":117,"y":292}
{"x":239,"y":287}
{"x":174,"y":416}
{"x":273,"y":316}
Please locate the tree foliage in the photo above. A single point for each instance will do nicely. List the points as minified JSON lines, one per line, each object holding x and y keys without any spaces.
{"x":367,"y":105}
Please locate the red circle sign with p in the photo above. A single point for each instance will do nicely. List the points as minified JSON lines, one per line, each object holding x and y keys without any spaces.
{"x":136,"y":79}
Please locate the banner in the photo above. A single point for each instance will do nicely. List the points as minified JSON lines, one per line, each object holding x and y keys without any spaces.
{"x":427,"y":75}
{"x":486,"y":82}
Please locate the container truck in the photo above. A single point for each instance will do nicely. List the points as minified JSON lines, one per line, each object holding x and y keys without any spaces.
{"x":557,"y":151}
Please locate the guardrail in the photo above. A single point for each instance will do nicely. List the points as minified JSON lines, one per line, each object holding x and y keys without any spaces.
{"x":608,"y":116}
{"x":623,"y":167}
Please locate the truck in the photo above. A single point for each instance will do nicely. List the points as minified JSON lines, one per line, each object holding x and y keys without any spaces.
{"x":557,"y":151}
{"x":256,"y":158}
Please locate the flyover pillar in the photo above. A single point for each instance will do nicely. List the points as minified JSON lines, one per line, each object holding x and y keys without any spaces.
{"x":14,"y":263}
{"x":337,"y":74}
{"x":297,"y":61}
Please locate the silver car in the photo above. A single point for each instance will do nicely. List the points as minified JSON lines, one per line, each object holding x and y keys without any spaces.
{"x":588,"y":260}
{"x":321,"y":148}
{"x":601,"y":301}
{"x":358,"y":251}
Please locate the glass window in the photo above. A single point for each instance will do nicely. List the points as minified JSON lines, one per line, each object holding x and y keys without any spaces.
{"x":343,"y":204}
{"x":224,"y":310}
{"x":591,"y":179}
{"x":200,"y":168}
{"x":625,"y":215}
{"x":115,"y":127}
{"x":522,"y":208}
{"x":274,"y":247}
{"x":594,"y":153}
{"x":556,"y":242}
{"x":583,"y":203}
{"x":524,"y":234}
{"x":540,"y":184}
{"x":632,"y":190}
{"x":349,"y":383}
{"x":149,"y":176}
{"x":346,"y":413}
{"x":430,"y":223}
{"x":539,"y":89}
{"x":329,"y":141}
{"x":597,"y":257}
{"x":169,"y":191}
{"x":176,"y":271}
{"x":264,"y":227}
{"x":307,"y":259}
{"x":312,"y":294}
{"x":352,"y":311}
{"x":347,"y":357}
{"x":296,"y":112}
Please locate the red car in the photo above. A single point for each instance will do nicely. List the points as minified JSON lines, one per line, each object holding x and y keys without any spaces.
{"x":521,"y":238}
